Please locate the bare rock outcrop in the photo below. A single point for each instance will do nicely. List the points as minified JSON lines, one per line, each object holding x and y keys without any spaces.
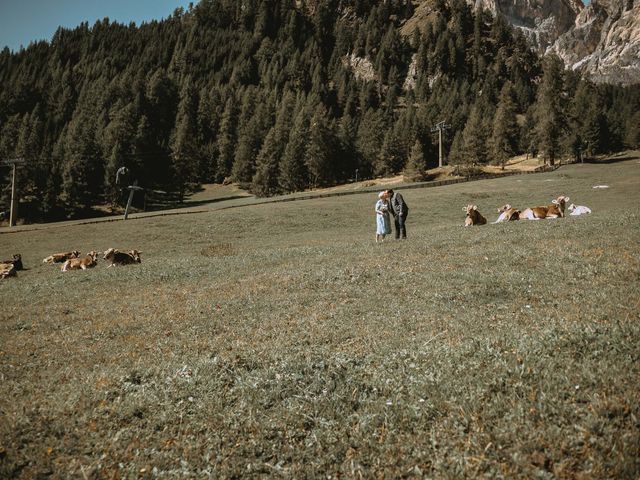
{"x":601,"y":39}
{"x":542,"y":21}
{"x":604,"y":42}
{"x":361,"y":66}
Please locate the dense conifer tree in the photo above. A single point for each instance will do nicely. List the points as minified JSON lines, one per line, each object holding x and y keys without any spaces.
{"x":456,"y":153}
{"x":632,"y":134}
{"x":294,"y":175}
{"x":184,"y":151}
{"x":504,"y":136}
{"x":82,"y":173}
{"x":320,"y":155}
{"x":476,"y":134}
{"x":369,"y":140}
{"x":268,"y":173}
{"x":118,"y":146}
{"x":347,"y":138}
{"x":393,"y":154}
{"x":227,"y":138}
{"x":265,"y":180}
{"x":208,"y":117}
{"x":550,"y":110}
{"x":416,"y":164}
{"x":594,"y":128}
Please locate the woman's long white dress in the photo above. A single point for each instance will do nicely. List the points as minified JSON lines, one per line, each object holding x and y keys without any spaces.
{"x":383,"y":221}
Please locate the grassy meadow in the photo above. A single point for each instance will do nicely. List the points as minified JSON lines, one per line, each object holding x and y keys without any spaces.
{"x":278,"y":340}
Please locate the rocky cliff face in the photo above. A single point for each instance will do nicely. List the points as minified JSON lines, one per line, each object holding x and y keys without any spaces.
{"x":542,"y":21}
{"x":604,"y":41}
{"x":601,"y":39}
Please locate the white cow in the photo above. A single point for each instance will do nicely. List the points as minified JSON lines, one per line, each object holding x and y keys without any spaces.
{"x":578,"y":209}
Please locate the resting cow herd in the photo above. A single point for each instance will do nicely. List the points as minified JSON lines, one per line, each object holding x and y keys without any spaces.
{"x":508,"y":213}
{"x":73,"y":260}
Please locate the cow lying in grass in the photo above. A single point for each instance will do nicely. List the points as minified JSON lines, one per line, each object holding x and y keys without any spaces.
{"x":7,"y":270}
{"x":87,"y":261}
{"x":61,"y":257}
{"x":507,"y":214}
{"x":473,"y":217}
{"x":578,"y":209}
{"x":16,"y":261}
{"x":554,"y":210}
{"x":116,"y":257}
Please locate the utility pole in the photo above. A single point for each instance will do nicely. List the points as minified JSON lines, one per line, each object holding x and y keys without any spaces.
{"x":440,"y":127}
{"x":14,"y":162}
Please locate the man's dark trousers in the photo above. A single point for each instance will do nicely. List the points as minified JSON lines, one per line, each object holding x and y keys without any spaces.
{"x":400,"y":228}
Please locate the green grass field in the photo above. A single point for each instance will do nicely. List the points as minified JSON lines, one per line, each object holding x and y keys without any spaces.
{"x":278,"y":340}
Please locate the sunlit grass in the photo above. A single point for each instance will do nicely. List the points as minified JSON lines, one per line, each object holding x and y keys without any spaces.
{"x":280,"y":340}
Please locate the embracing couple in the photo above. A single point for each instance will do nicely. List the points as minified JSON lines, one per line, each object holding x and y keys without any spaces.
{"x":390,"y":201}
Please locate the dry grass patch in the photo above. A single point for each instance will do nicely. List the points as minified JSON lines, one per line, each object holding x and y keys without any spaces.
{"x":218,"y":250}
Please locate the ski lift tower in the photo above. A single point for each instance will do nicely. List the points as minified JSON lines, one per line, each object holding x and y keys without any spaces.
{"x":14,"y":162}
{"x":440,"y":127}
{"x":122,"y":177}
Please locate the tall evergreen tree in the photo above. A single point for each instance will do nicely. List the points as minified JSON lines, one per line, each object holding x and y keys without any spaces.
{"x":392,"y":155}
{"x":632,"y":133}
{"x":504,"y":137}
{"x":347,"y":138}
{"x":416,"y":167}
{"x":549,"y":111}
{"x":227,"y":138}
{"x":369,"y":141}
{"x":456,"y":152}
{"x":475,"y":135}
{"x":184,"y":151}
{"x":209,"y":112}
{"x":118,"y":145}
{"x":294,"y":175}
{"x":594,"y":128}
{"x":265,"y":180}
{"x":82,"y":172}
{"x":321,"y":149}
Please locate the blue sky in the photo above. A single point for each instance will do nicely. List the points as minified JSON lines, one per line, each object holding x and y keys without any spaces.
{"x":24,"y":21}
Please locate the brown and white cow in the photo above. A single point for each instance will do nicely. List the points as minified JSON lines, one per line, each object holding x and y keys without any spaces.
{"x":7,"y":270}
{"x":553,"y":210}
{"x":61,"y":257}
{"x":16,"y":261}
{"x":89,"y":260}
{"x":116,"y":257}
{"x":473,"y":217}
{"x":507,"y":214}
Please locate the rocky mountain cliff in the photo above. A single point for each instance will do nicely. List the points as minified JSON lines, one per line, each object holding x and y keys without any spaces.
{"x":601,"y":39}
{"x":542,"y":21}
{"x":604,"y":41}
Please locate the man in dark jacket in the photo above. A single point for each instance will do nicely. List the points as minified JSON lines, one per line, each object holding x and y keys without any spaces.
{"x":400,"y":210}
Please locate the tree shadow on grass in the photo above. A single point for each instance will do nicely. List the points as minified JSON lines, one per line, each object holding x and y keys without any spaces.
{"x":622,"y":157}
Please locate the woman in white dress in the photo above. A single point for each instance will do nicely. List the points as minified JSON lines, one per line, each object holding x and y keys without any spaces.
{"x":383,"y":221}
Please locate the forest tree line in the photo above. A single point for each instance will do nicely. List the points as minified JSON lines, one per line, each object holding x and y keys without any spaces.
{"x":260,"y":92}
